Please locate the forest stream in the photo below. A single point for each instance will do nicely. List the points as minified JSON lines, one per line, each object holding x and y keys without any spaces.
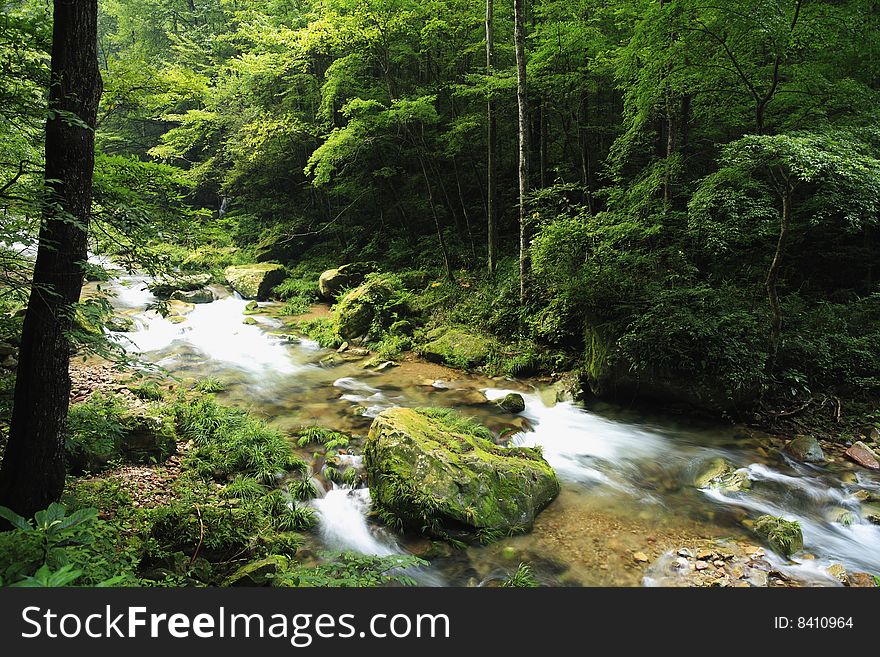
{"x":627,"y":477}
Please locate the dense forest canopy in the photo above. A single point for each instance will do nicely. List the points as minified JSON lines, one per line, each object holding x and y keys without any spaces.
{"x":703,"y":179}
{"x":669,"y":205}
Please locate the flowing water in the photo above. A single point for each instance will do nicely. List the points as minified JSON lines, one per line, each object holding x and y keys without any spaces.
{"x":626,"y":476}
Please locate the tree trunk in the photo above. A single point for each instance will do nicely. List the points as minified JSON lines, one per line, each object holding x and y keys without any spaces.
{"x":443,"y":250}
{"x":492,"y":141}
{"x":773,"y":277}
{"x":33,"y":470}
{"x":522,"y":104}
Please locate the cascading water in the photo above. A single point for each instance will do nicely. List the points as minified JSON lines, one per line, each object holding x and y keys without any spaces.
{"x":630,"y":468}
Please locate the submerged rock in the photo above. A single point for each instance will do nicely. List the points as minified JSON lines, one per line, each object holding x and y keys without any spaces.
{"x":334,"y":281}
{"x":456,"y":347}
{"x":721,"y":475}
{"x":784,"y":536}
{"x":254,"y":281}
{"x":805,"y":449}
{"x":202,"y":295}
{"x":863,"y":455}
{"x":434,"y":475}
{"x":164,"y":286}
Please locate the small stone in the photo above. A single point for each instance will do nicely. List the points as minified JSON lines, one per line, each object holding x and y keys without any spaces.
{"x":705,"y":555}
{"x":513,"y":403}
{"x":863,"y":455}
{"x":758,"y":578}
{"x":387,"y":365}
{"x":718,"y":564}
{"x":861,"y":580}
{"x":701,"y":565}
{"x":681,"y":564}
{"x":684,"y":552}
{"x":861,"y":495}
{"x":838,"y":572}
{"x":805,"y":449}
{"x":342,"y":347}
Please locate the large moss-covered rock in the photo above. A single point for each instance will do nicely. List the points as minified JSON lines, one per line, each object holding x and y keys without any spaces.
{"x":254,"y":281}
{"x":784,"y":536}
{"x":164,"y":286}
{"x":434,"y":474}
{"x":456,"y":347}
{"x":334,"y":281}
{"x":257,"y":573}
{"x":375,"y":302}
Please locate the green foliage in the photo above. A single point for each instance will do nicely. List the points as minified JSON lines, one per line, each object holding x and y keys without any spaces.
{"x":95,"y":429}
{"x":353,"y":570}
{"x":57,"y":548}
{"x":229,"y":442}
{"x":210,"y":384}
{"x":522,"y":578}
{"x":457,"y":423}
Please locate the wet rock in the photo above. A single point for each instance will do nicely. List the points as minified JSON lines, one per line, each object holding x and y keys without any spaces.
{"x":9,"y":363}
{"x":861,"y":580}
{"x":838,"y":572}
{"x":805,"y":449}
{"x":863,"y":455}
{"x":202,"y":295}
{"x":254,"y":281}
{"x":512,"y":403}
{"x":719,"y":474}
{"x":249,"y":321}
{"x":164,"y":286}
{"x":640,"y":557}
{"x":784,"y":536}
{"x":334,"y":281}
{"x":437,"y":478}
{"x":343,"y":347}
{"x":456,"y":347}
{"x":6,"y":349}
{"x":387,"y":365}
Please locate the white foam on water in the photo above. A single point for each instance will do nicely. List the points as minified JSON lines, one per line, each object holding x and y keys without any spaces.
{"x":343,"y":523}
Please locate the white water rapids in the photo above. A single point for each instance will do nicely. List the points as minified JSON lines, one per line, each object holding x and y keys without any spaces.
{"x":593,"y":454}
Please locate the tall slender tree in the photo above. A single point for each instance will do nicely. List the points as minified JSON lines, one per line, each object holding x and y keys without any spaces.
{"x":492,"y":140}
{"x":519,"y":39}
{"x":33,"y":470}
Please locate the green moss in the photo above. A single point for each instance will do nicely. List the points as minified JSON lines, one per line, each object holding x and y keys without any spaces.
{"x":784,"y":536}
{"x":456,"y":347}
{"x":441,"y":476}
{"x":254,"y":281}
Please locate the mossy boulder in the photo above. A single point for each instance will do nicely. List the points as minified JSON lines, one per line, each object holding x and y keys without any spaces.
{"x":805,"y":449}
{"x":719,"y":474}
{"x":334,"y":281}
{"x":257,"y":573}
{"x":784,"y":536}
{"x":164,"y":286}
{"x":376,"y":302}
{"x":512,"y":403}
{"x":202,"y":295}
{"x":432,"y":473}
{"x":456,"y":347}
{"x":254,"y":281}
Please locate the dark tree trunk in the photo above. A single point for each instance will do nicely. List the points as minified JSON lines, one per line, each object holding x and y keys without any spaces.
{"x":492,"y":140}
{"x":33,"y":470}
{"x":522,"y":104}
